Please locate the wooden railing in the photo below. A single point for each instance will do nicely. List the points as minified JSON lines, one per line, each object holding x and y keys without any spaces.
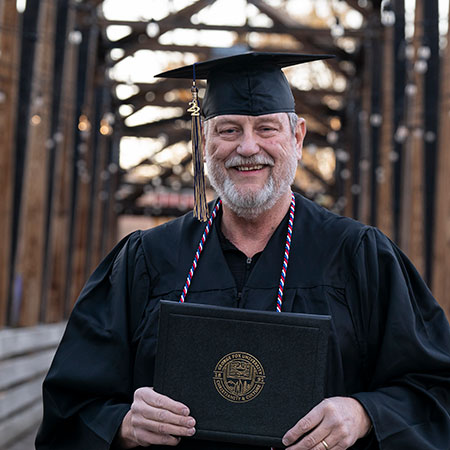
{"x":25,"y":356}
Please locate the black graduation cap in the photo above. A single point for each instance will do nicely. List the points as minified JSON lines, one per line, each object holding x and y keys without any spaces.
{"x":250,"y":84}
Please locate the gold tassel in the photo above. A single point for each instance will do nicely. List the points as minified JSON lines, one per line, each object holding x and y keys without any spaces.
{"x":200,"y":203}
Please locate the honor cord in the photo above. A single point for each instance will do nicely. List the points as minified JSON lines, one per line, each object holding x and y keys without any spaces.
{"x":287,"y":250}
{"x":199,"y":251}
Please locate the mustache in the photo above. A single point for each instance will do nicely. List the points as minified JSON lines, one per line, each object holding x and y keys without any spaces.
{"x":239,"y":160}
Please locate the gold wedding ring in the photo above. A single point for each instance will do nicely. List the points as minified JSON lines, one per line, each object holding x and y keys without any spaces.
{"x":325,"y":445}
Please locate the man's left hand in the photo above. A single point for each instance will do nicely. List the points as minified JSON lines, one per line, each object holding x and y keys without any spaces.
{"x":336,"y":423}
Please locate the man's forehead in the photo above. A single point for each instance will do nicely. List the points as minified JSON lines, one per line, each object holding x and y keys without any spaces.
{"x":236,"y":118}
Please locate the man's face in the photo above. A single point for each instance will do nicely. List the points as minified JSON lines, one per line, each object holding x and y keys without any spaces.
{"x":252,"y":161}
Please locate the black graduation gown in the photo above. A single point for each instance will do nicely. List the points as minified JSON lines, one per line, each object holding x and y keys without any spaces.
{"x":389,"y":344}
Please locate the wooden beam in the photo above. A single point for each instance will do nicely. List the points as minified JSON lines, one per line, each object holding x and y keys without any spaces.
{"x":164,"y":24}
{"x":154,"y":129}
{"x":84,"y":162}
{"x":97,"y":198}
{"x":385,"y":210}
{"x":29,"y":32}
{"x":293,"y":28}
{"x":110,"y":236}
{"x":351,"y":130}
{"x":375,"y":121}
{"x":412,"y":213}
{"x":441,"y":257}
{"x":285,"y":21}
{"x":399,"y":112}
{"x":9,"y":50}
{"x":316,"y":176}
{"x":56,"y":281}
{"x":430,"y":40}
{"x":29,"y":260}
{"x":363,"y":164}
{"x":153,"y":44}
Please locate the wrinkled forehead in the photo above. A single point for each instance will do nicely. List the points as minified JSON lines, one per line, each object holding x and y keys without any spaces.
{"x":280,"y":118}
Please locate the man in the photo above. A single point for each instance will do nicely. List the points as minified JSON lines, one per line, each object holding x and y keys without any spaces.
{"x":388,"y":367}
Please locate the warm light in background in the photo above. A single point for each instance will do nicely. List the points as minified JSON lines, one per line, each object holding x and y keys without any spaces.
{"x":83,"y":123}
{"x":335,"y":123}
{"x":36,"y":119}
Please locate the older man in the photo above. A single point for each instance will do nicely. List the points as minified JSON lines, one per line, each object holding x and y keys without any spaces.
{"x":388,"y":366}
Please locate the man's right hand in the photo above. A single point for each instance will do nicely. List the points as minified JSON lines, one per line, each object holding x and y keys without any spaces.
{"x":154,"y":419}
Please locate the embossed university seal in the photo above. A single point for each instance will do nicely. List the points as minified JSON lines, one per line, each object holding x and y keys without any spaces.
{"x":239,"y":377}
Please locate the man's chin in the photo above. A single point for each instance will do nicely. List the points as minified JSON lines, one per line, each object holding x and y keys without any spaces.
{"x":249,"y":204}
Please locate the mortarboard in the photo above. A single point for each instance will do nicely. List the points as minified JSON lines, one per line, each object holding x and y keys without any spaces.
{"x":249,"y":84}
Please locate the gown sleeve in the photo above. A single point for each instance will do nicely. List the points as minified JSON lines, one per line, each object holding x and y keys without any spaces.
{"x":405,"y":341}
{"x":87,"y":390}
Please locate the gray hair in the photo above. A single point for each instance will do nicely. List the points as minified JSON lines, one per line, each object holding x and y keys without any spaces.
{"x":293,"y":121}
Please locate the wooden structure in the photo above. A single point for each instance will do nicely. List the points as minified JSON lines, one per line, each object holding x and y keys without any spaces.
{"x":57,"y":204}
{"x":25,"y":355}
{"x":382,"y":139}
{"x":62,"y":188}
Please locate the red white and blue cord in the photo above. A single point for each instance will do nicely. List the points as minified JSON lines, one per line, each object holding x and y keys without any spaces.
{"x":285,"y":257}
{"x":287,"y":250}
{"x":199,"y":251}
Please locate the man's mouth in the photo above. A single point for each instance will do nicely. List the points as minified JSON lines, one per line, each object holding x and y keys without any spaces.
{"x":248,"y":168}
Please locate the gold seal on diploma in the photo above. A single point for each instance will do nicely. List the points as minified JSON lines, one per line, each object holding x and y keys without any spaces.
{"x":239,"y":377}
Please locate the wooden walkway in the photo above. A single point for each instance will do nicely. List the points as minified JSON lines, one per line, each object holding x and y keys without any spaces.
{"x":25,"y":356}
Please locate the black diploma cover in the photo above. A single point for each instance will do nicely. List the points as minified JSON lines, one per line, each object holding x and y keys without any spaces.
{"x":247,"y":376}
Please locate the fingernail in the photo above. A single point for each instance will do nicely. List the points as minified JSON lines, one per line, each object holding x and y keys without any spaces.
{"x":285,"y":441}
{"x":191,"y":423}
{"x":185,"y":412}
{"x":191,"y":431}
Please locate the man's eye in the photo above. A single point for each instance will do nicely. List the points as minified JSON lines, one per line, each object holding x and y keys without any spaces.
{"x":227,"y":131}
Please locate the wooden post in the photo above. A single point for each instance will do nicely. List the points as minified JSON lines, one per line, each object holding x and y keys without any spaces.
{"x":399,"y":81}
{"x":98,"y":149}
{"x":110,"y":236}
{"x":412,"y":220}
{"x":79,"y":269}
{"x":384,"y":174}
{"x":9,"y":50}
{"x":99,"y":196}
{"x":441,"y":278}
{"x":363,"y":165}
{"x":29,"y":259}
{"x":59,"y":227}
{"x":430,"y":56}
{"x":376,"y":118}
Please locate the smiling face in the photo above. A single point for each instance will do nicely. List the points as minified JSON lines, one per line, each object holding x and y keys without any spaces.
{"x":252,"y":160}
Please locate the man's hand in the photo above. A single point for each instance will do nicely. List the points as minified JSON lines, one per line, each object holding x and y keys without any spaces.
{"x":154,"y":419}
{"x":334,"y":424}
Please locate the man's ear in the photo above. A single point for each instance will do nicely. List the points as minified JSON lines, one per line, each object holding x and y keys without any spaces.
{"x":300,"y":132}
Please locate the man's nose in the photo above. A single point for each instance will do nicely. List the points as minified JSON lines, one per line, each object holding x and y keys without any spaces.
{"x":248,"y":145}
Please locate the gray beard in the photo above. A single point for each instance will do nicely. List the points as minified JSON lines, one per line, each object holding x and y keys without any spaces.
{"x":249,"y":204}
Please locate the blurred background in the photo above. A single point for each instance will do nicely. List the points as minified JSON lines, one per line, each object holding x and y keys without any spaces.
{"x":92,"y":146}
